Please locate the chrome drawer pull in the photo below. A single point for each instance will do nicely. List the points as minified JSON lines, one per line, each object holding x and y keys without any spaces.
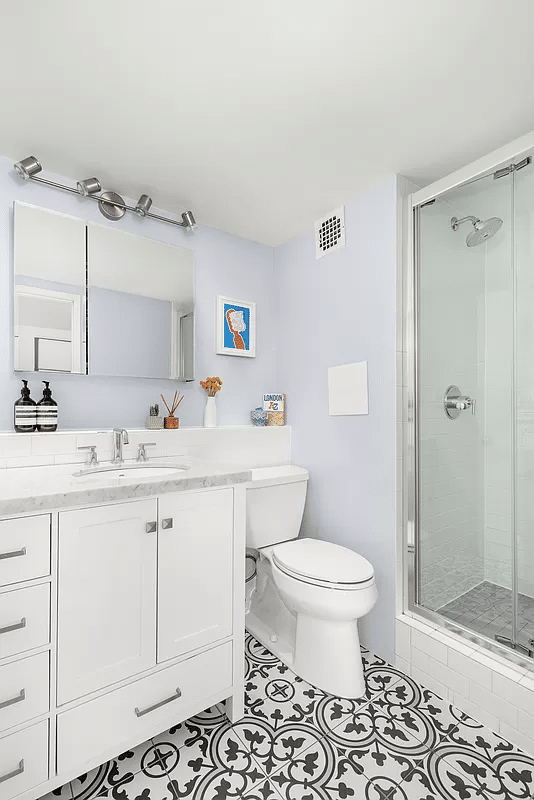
{"x":13,"y":554}
{"x":139,"y":713}
{"x":17,"y":626}
{"x":18,"y":771}
{"x":166,"y":523}
{"x":17,"y":699}
{"x":151,"y":527}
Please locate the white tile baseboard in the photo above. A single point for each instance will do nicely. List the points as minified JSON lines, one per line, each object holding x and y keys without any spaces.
{"x":492,"y":691}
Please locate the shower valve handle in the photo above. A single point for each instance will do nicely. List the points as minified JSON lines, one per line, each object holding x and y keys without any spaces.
{"x":454,"y":402}
{"x":464,"y":403}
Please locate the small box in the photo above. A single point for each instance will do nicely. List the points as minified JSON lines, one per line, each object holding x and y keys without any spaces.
{"x":172,"y":422}
{"x":274,"y":402}
{"x":275,"y":418}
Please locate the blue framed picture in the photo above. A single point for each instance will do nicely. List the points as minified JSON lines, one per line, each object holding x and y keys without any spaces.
{"x":236,"y":327}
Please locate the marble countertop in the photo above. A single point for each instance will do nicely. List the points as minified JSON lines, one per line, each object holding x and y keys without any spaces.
{"x":45,"y":488}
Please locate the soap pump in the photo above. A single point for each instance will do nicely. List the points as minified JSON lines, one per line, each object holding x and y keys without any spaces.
{"x":47,"y":411}
{"x":25,"y":411}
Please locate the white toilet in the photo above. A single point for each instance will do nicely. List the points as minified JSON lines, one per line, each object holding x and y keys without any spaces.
{"x":308,"y":594}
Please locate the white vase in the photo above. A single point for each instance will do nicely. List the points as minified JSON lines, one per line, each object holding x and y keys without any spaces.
{"x":210,"y":413}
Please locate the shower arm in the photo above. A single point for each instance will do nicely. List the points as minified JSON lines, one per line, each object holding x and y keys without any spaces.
{"x":455,"y":222}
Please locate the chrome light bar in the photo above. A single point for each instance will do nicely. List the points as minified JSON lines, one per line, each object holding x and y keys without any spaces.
{"x":111,"y":204}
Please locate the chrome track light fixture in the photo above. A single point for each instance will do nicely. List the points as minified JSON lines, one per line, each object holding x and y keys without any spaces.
{"x":27,"y":168}
{"x":111,"y":204}
{"x":89,"y":186}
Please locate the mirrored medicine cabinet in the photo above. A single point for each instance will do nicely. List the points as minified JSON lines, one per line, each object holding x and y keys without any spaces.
{"x":95,"y":300}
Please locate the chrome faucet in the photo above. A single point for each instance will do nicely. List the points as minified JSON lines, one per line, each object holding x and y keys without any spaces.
{"x":120,"y":437}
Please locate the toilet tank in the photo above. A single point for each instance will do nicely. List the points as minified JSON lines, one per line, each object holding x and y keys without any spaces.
{"x":275,"y":505}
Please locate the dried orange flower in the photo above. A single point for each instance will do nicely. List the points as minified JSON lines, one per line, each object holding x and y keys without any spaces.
{"x":212,"y":385}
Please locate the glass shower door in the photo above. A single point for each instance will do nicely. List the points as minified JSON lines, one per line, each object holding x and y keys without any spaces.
{"x":524,"y":310}
{"x":465,"y":408}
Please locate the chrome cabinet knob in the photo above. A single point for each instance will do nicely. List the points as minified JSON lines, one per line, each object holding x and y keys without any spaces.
{"x":151,"y":527}
{"x":166,"y":523}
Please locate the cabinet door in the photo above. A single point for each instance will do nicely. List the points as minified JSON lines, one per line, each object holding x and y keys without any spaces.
{"x":195,"y":557}
{"x":107,"y":595}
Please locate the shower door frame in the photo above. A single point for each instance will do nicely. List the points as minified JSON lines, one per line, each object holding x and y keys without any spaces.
{"x":479,"y":169}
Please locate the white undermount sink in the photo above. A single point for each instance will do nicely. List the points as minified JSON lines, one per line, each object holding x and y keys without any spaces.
{"x":131,"y":471}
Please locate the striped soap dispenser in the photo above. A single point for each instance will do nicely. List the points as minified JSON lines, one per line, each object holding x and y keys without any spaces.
{"x":25,"y":411}
{"x":47,"y":411}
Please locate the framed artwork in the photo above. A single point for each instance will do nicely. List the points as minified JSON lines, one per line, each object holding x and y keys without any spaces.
{"x":236,"y":328}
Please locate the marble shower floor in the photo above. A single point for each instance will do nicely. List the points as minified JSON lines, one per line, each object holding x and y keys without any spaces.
{"x":398,"y":742}
{"x":487,"y":609}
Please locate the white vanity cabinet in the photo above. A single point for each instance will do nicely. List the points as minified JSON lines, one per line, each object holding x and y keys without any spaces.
{"x":133,"y":621}
{"x":25,"y":634}
{"x":195,"y":564}
{"x":106,"y":595}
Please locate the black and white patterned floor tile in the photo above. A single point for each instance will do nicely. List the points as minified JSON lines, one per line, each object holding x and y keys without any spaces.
{"x":398,"y":742}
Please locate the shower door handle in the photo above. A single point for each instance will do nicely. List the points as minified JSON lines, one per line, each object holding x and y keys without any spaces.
{"x":454,"y":402}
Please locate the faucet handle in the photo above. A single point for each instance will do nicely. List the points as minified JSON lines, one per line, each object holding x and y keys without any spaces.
{"x":92,"y":458}
{"x":141,"y":452}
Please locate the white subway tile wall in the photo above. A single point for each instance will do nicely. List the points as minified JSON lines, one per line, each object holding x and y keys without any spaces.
{"x":451,"y":451}
{"x":494,"y":692}
{"x":244,"y":446}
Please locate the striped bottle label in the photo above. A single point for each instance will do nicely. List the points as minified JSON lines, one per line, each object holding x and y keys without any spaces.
{"x":47,"y":413}
{"x":25,"y":415}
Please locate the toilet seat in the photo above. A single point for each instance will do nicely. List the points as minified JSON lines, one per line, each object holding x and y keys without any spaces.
{"x":323,"y":564}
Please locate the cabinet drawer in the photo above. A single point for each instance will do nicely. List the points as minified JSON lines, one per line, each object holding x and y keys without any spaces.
{"x":23,"y":760}
{"x":24,"y":619}
{"x":142,"y":709}
{"x":24,"y":549}
{"x":24,"y":690}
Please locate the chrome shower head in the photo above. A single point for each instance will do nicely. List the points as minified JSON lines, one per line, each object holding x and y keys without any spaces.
{"x":482,"y":230}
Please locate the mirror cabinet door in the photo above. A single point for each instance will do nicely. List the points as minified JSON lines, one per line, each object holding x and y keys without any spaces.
{"x":133,"y":296}
{"x":140,"y":293}
{"x":49,"y":291}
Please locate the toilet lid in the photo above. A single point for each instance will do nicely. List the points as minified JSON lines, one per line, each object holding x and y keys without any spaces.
{"x":322,"y":561}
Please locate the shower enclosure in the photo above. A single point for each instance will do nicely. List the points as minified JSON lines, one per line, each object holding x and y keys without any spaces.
{"x":471,"y":424}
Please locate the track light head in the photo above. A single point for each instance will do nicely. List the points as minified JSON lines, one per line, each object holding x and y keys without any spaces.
{"x":188,"y":220}
{"x":27,"y":168}
{"x":143,"y":205}
{"x":89,"y":186}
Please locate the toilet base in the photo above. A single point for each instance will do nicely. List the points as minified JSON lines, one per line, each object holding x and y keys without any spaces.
{"x":328,"y":655}
{"x":325,"y":653}
{"x":276,"y":645}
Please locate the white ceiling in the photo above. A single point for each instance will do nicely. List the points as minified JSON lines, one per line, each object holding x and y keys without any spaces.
{"x":262,"y":116}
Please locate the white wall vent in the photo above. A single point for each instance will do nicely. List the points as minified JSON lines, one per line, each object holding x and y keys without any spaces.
{"x":330,"y":232}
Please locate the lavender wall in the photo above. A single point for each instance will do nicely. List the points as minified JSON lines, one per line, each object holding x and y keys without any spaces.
{"x":337,"y":310}
{"x":316,"y":314}
{"x":225,"y":264}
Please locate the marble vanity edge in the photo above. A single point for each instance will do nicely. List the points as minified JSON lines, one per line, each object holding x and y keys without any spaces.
{"x":109,"y":494}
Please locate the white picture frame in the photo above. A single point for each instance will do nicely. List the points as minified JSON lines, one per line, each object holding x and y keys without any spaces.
{"x":236,"y":332}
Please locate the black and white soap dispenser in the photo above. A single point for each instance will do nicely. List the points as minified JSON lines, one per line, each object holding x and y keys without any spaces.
{"x":25,"y":411}
{"x":47,"y":411}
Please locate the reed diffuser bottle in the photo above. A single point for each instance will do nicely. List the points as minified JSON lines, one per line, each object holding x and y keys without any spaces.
{"x":171,"y":422}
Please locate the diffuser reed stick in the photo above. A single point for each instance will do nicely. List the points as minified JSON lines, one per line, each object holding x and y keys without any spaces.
{"x":176,"y":400}
{"x":166,"y":406}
